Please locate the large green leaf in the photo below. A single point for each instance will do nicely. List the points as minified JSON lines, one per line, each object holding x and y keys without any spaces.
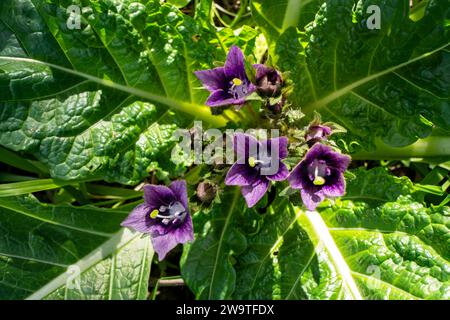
{"x":94,"y":101}
{"x":396,"y":247}
{"x":239,"y":253}
{"x":77,"y":138}
{"x":284,"y":261}
{"x":378,"y":242}
{"x":66,"y":252}
{"x":206,"y":264}
{"x":390,"y":83}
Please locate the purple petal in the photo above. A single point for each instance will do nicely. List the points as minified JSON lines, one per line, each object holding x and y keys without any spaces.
{"x":138,"y":219}
{"x":179,"y":189}
{"x":213,"y":79}
{"x":255,"y":192}
{"x":295,"y":178}
{"x":240,"y":175}
{"x":163,"y":243}
{"x":251,"y":88}
{"x":318,"y":151}
{"x":318,"y":132}
{"x":310,"y":199}
{"x":281,"y":142}
{"x":221,"y":98}
{"x":281,"y":175}
{"x":234,"y":66}
{"x":261,"y":70}
{"x":156,"y":196}
{"x":336,"y":188}
{"x":338,"y":161}
{"x":245,"y":145}
{"x":332,"y":158}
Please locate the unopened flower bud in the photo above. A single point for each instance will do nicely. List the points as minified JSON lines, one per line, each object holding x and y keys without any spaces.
{"x":276,"y":107}
{"x":206,"y":192}
{"x":317,"y":133}
{"x":268,"y":81}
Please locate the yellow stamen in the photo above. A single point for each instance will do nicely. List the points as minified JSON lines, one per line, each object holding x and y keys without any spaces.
{"x":154,"y":214}
{"x":236,"y":82}
{"x":319,"y":181}
{"x":252,"y":162}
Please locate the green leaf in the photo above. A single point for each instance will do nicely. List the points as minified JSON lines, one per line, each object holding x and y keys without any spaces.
{"x":30,"y":186}
{"x":66,"y":252}
{"x":12,"y":159}
{"x":287,"y":258}
{"x":77,"y":139}
{"x":179,"y":3}
{"x":395,"y":249}
{"x":377,"y":242}
{"x":389,"y":83}
{"x":239,"y":253}
{"x":206,"y":264}
{"x":120,"y":275}
{"x":282,"y":261}
{"x":274,"y":17}
{"x":376,"y":185}
{"x":94,"y":100}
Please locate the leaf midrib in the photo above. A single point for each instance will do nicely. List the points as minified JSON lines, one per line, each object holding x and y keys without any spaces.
{"x":59,"y":224}
{"x":116,"y":242}
{"x":201,"y":112}
{"x":322,"y":232}
{"x":220,"y":242}
{"x":275,"y":245}
{"x":347,"y":89}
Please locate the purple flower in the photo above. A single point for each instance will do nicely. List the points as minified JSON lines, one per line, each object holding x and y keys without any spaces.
{"x":319,"y":175}
{"x":164,"y":215}
{"x":258,"y":163}
{"x":268,"y":80}
{"x":317,"y":133}
{"x":228,"y":84}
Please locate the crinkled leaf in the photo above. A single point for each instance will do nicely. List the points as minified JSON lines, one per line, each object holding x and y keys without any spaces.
{"x":390,"y":83}
{"x":87,"y":80}
{"x":206,"y":265}
{"x":66,"y":252}
{"x":377,"y":242}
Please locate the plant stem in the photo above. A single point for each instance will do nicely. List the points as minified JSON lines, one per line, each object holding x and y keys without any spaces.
{"x":433,"y":146}
{"x":241,"y":11}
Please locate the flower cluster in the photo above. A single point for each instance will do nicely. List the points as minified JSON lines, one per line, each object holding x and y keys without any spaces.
{"x":165,"y":211}
{"x":230,"y":85}
{"x":318,"y":175}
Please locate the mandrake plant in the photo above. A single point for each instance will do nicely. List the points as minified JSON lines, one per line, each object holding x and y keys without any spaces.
{"x":101,"y":199}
